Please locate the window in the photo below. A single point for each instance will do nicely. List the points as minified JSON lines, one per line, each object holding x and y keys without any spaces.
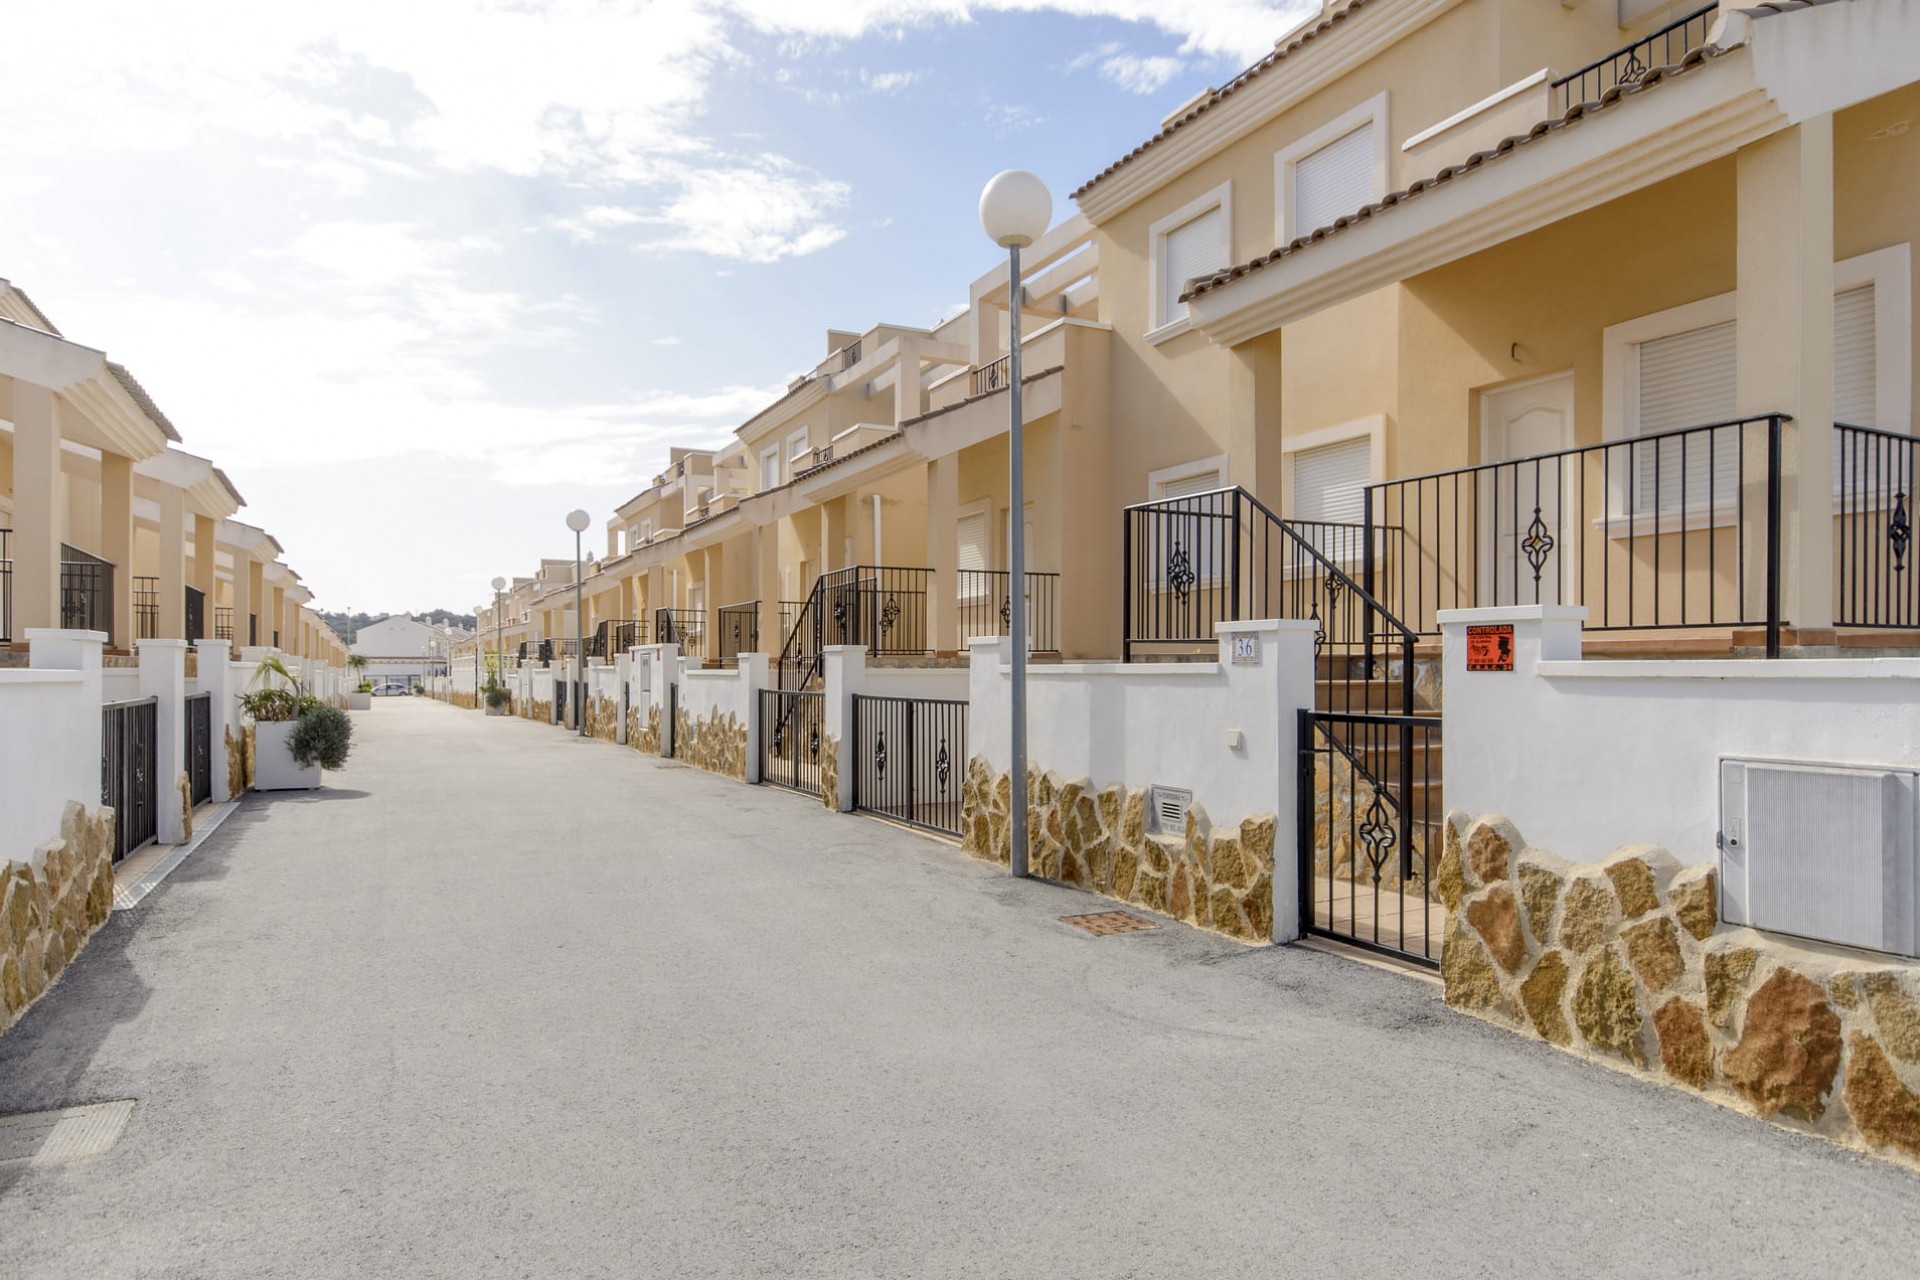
{"x":798,"y":446}
{"x":1330,"y":482}
{"x":1196,"y":536}
{"x":770,"y":468}
{"x":1194,"y":240}
{"x":1332,"y":172}
{"x":976,"y":553}
{"x":1679,"y":368}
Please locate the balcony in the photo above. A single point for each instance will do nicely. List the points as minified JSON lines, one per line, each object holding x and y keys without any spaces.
{"x":86,"y":591}
{"x":684,"y":627}
{"x":739,"y":630}
{"x":1662,"y":48}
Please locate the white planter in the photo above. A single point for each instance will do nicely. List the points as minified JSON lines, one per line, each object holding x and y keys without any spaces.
{"x":496,"y":711}
{"x":273,"y":766}
{"x":359,"y":701}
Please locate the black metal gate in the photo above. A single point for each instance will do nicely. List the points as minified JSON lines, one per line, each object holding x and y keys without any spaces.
{"x":791,"y":725}
{"x":1371,"y":825}
{"x":559,"y":699}
{"x":668,"y":737}
{"x":200,"y":747}
{"x":129,"y":771}
{"x":910,"y":756}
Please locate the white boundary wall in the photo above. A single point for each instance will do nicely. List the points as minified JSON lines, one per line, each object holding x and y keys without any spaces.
{"x":1225,"y":731}
{"x":731,"y":692}
{"x":49,"y":738}
{"x":1586,"y":756}
{"x":845,"y":672}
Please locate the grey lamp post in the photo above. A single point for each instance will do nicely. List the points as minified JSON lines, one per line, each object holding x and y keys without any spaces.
{"x":499,"y":658}
{"x":1015,"y":210}
{"x":578,"y":522}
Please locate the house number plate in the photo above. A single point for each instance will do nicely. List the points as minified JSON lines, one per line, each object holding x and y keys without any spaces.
{"x":1246,"y":651}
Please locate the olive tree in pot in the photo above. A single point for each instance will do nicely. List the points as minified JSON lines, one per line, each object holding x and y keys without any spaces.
{"x":295,"y":734}
{"x":497,"y":697}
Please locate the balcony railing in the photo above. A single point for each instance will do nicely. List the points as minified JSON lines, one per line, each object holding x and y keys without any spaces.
{"x":146,"y":607}
{"x":1676,"y":529}
{"x":223,"y":622}
{"x":86,"y":591}
{"x":195,"y":613}
{"x":684,"y":627}
{"x":1663,"y":48}
{"x":739,"y":630}
{"x":614,"y":636}
{"x":881,"y":608}
{"x":986,"y":607}
{"x":6,"y":586}
{"x":993,"y":376}
{"x":1876,"y":583}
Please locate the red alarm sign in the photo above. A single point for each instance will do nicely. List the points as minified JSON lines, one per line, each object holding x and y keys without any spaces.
{"x":1490,"y":648}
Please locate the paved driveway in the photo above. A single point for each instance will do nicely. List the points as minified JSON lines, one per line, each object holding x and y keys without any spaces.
{"x":503,"y":1003}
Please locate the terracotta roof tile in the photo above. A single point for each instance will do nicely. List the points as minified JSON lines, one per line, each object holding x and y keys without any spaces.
{"x":145,"y":401}
{"x":1305,"y":36}
{"x":1572,"y":116}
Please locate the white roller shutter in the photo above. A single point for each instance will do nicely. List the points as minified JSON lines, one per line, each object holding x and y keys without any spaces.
{"x":975,"y":554}
{"x":1334,"y":181}
{"x":1330,"y":483}
{"x":1196,"y":248}
{"x":1688,"y":380}
{"x":1854,"y":366}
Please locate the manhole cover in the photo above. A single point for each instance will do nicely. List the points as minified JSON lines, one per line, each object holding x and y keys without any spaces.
{"x":42,"y":1138}
{"x":1102,"y":923}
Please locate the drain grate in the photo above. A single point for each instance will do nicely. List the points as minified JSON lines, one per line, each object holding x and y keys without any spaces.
{"x":1102,"y":923}
{"x":42,"y":1138}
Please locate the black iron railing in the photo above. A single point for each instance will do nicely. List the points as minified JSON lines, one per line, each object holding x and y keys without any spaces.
{"x":129,"y":771}
{"x":883,"y":609}
{"x":791,"y":728}
{"x":199,"y":710}
{"x":986,"y":607}
{"x":195,"y":609}
{"x":850,"y":354}
{"x":1876,"y":583}
{"x":222,"y":622}
{"x":86,"y":591}
{"x":6,"y":586}
{"x":1672,"y":530}
{"x":1194,"y":562}
{"x":684,"y":627}
{"x":790,"y":615}
{"x":799,"y":664}
{"x":614,"y":636}
{"x":993,"y":376}
{"x":1662,"y":48}
{"x":146,"y":607}
{"x":909,"y":759}
{"x":739,"y":630}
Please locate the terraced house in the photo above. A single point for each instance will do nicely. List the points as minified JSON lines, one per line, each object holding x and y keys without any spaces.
{"x":128,"y":590}
{"x":1533,"y":377}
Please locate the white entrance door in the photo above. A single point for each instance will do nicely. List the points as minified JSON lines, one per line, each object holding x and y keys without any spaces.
{"x":1526,"y":556}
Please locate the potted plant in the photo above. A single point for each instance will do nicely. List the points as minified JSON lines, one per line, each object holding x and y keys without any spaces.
{"x":497,"y":697}
{"x":360,"y":699}
{"x":296,"y":735}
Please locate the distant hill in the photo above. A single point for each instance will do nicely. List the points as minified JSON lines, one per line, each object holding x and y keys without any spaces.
{"x":346,"y":626}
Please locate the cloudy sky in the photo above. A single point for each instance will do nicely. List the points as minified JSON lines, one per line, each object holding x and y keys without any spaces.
{"x":424,"y":276}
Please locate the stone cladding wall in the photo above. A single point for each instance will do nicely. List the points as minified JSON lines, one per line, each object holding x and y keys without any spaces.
{"x":1097,"y":839}
{"x":1626,"y":962}
{"x":716,"y":743}
{"x":465,"y":701}
{"x":644,"y":736}
{"x":48,"y":914}
{"x":603,"y":718}
{"x":239,"y":760}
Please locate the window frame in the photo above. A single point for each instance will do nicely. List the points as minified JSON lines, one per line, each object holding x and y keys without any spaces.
{"x":1159,"y":327}
{"x":1157,"y":482}
{"x":1372,"y":112}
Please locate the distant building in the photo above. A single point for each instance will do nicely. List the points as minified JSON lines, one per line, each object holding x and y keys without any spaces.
{"x":400,"y":649}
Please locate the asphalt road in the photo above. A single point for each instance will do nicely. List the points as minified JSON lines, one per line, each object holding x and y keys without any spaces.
{"x":503,"y":1003}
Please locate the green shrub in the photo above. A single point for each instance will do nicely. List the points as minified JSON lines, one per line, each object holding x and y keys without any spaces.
{"x":323,"y":734}
{"x":498,"y":696}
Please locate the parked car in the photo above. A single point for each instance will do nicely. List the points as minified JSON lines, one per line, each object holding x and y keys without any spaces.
{"x":391,"y":690}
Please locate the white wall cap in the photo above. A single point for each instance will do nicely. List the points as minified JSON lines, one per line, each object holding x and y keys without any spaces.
{"x":74,"y":637}
{"x":160,"y":644}
{"x":1279,"y":626}
{"x":1513,"y":613}
{"x":843,"y":648}
{"x":1734,"y":669}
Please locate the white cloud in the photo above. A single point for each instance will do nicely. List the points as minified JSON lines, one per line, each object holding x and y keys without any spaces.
{"x":1142,"y":75}
{"x":757,"y":212}
{"x":669,"y":341}
{"x":885,"y":82}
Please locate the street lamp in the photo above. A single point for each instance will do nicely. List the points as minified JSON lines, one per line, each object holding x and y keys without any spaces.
{"x":578,"y":522}
{"x":1015,"y":210}
{"x":499,"y":658}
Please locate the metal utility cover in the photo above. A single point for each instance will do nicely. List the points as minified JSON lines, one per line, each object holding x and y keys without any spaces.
{"x":41,"y":1138}
{"x":1102,"y":923}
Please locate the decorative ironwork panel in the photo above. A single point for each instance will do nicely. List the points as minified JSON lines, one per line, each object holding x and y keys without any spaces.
{"x":905,"y":750}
